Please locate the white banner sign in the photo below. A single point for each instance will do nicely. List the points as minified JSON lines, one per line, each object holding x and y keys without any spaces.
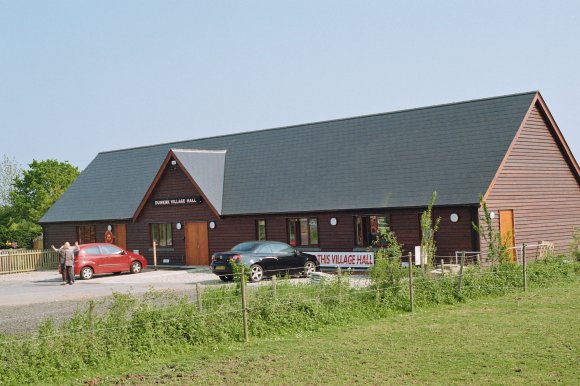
{"x":345,"y":259}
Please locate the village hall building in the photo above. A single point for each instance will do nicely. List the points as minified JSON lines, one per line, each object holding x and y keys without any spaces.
{"x":330,"y":186}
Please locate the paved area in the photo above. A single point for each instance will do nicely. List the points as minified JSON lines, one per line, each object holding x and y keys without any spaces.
{"x":45,"y":286}
{"x":26,"y":299}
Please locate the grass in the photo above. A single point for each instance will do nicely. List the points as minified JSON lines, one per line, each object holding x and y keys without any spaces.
{"x":517,"y":339}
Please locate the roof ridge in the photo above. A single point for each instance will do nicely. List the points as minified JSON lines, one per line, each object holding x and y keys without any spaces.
{"x":324,"y":121}
{"x":199,"y":151}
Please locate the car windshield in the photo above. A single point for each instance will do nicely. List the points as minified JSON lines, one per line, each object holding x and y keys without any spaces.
{"x":248,"y":246}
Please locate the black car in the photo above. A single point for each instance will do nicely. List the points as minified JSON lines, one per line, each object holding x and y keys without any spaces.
{"x":263,"y":258}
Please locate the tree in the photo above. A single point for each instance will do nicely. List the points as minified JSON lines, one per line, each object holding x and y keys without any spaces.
{"x":34,"y":192}
{"x":497,"y":248}
{"x":428,"y":230}
{"x":9,"y":170}
{"x":575,"y":244}
{"x":40,"y":186}
{"x":387,"y":272}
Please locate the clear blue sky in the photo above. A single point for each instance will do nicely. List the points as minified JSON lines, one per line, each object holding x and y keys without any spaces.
{"x":80,"y":77}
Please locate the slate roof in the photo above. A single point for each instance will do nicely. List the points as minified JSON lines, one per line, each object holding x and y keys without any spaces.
{"x":207,"y":170}
{"x":377,"y":161}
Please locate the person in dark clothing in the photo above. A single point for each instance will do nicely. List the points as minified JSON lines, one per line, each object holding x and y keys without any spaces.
{"x":61,"y":266}
{"x":66,"y":260}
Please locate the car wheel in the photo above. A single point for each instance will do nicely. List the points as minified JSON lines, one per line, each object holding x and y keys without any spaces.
{"x":256,"y":273}
{"x":226,"y":278}
{"x":86,"y":273}
{"x":309,"y":267}
{"x":135,"y":267}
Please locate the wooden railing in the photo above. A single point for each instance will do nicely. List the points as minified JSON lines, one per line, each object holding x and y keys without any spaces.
{"x":24,"y":260}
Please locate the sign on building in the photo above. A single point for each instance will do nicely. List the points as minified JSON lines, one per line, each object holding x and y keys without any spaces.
{"x":345,"y":259}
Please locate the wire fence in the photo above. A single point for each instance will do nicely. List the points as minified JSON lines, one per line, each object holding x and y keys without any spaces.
{"x":240,"y":300}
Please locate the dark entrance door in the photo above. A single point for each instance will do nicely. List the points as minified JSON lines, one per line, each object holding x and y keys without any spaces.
{"x":121,"y":236}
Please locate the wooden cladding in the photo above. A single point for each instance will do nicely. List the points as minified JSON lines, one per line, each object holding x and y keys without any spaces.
{"x":229,"y":231}
{"x":537,"y":181}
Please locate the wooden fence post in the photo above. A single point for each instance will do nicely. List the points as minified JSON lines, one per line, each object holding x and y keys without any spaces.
{"x":461,"y":272}
{"x":91,"y":316}
{"x":10,"y":262}
{"x":339,"y":278}
{"x":198,"y":295}
{"x":442,"y":269}
{"x":155,"y":256}
{"x":274,"y":289}
{"x":411,"y":295}
{"x":524,"y":268}
{"x":244,"y":305}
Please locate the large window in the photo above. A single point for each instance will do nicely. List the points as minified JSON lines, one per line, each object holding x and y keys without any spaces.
{"x":261,"y":229}
{"x":86,"y":234}
{"x":367,"y":229}
{"x":162,"y":235}
{"x":303,"y":231}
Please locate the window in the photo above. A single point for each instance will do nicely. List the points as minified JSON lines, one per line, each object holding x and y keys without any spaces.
{"x":111,"y":250}
{"x":302,"y":231}
{"x":248,"y":246}
{"x":86,"y":234}
{"x":161,"y":234}
{"x":281,"y":248}
{"x":93,"y":251}
{"x":266,"y":248}
{"x":367,"y":228}
{"x":261,"y":229}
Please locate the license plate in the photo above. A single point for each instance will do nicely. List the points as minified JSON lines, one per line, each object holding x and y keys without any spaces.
{"x":220,"y":268}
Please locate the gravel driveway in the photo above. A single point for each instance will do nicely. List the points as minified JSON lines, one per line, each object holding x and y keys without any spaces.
{"x":26,"y":299}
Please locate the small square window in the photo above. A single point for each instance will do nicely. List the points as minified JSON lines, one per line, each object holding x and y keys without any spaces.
{"x":86,"y":234}
{"x":261,"y":229}
{"x":162,"y":235}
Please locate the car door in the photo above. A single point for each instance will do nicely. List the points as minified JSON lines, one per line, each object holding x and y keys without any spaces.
{"x":287,"y":258}
{"x":94,"y":257}
{"x":114,"y":259}
{"x":268,"y":259}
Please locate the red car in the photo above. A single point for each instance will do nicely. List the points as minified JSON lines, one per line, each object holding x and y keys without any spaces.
{"x":99,"y":258}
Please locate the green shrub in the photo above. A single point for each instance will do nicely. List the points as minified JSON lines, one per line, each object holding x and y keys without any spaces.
{"x":575,"y":244}
{"x":387,"y":272}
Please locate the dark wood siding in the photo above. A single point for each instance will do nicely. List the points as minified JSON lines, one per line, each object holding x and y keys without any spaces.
{"x":456,"y":236}
{"x":57,"y":234}
{"x":172,"y":184}
{"x":539,"y":185}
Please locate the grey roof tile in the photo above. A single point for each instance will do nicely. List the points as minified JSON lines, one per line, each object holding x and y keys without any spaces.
{"x":385,"y":160}
{"x":207,"y":170}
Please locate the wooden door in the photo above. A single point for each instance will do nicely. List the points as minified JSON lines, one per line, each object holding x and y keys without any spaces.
{"x":196,"y":244}
{"x":506,"y":228}
{"x":121,"y":236}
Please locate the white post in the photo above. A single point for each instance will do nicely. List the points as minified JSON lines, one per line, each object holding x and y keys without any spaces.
{"x":417,"y":255}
